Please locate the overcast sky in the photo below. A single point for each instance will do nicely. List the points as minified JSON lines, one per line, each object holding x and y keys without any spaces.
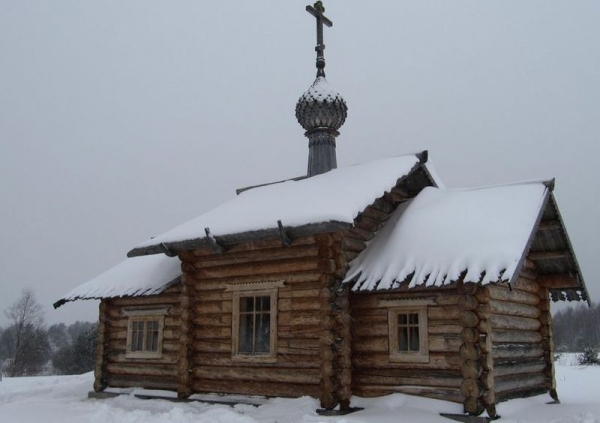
{"x":121,"y":119}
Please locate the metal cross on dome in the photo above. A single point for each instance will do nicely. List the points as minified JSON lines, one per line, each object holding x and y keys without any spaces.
{"x":317,"y":11}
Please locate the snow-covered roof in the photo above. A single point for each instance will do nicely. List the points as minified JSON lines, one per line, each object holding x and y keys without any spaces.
{"x":336,"y":196}
{"x":442,"y":233}
{"x":133,"y":277}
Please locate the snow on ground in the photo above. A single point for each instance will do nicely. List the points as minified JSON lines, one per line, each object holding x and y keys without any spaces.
{"x":63,"y":399}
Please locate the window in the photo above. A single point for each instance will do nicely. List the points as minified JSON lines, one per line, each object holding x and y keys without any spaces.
{"x":254,"y":322}
{"x":408,"y":338}
{"x":145,"y":332}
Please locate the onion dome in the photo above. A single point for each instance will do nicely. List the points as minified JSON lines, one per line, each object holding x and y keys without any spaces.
{"x":321,"y":107}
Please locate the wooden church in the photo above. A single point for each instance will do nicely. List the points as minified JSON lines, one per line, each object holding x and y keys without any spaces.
{"x":364,"y":280}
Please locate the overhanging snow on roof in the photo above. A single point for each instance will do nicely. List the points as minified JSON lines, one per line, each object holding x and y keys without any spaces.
{"x":335,"y":197}
{"x":442,"y":233}
{"x":133,"y":277}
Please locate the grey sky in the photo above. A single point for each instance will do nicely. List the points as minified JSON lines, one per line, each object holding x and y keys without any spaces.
{"x":122,"y":119}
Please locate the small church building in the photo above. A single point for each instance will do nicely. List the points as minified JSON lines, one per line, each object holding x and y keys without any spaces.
{"x":363,"y":280}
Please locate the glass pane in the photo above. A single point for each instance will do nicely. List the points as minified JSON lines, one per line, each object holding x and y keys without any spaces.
{"x":246,"y":333}
{"x":402,"y":319}
{"x":414,"y":338}
{"x":263,"y":333}
{"x":137,"y":336}
{"x":151,"y":336}
{"x":413,"y":318}
{"x":246,"y":304}
{"x":402,"y":338}
{"x":265,"y":303}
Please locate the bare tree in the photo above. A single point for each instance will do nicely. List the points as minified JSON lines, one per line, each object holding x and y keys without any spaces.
{"x":25,"y":342}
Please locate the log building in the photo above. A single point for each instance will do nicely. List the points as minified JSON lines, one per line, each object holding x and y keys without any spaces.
{"x":364,"y":280}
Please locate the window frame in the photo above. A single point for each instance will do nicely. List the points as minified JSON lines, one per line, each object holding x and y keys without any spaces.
{"x":145,"y":315}
{"x":236,"y":355}
{"x":397,"y":356}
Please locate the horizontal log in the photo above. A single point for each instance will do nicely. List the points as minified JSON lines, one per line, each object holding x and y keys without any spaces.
{"x":241,"y":387}
{"x":548,"y":255}
{"x":297,"y":276}
{"x":516,"y":336}
{"x":209,"y":346}
{"x":444,"y":343}
{"x":513,"y":351}
{"x":363,"y":378}
{"x":250,"y":256}
{"x":220,"y":319}
{"x":443,"y":313}
{"x":299,"y":304}
{"x":294,"y":361}
{"x":510,"y":309}
{"x":258,"y":374}
{"x":378,"y":329}
{"x":136,"y":369}
{"x":448,"y":328}
{"x":519,"y":368}
{"x":147,"y":382}
{"x":558,"y":281}
{"x":302,"y":318}
{"x":446,"y":394}
{"x":514,"y":323}
{"x":145,"y":300}
{"x":370,"y":343}
{"x":259,"y":268}
{"x":518,"y":382}
{"x":503,"y":293}
{"x":119,"y":356}
{"x":437,"y":361}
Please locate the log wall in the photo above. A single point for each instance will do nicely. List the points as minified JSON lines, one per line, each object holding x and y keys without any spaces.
{"x":374,"y":374}
{"x":305,"y":267}
{"x":119,"y":371}
{"x":518,"y":320}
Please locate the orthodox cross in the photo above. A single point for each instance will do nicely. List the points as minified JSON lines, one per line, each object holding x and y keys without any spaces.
{"x":317,"y":11}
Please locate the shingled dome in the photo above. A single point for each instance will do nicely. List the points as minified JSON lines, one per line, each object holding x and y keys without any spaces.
{"x":321,"y":107}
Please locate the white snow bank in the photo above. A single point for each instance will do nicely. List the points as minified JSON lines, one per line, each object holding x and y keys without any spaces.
{"x":443,"y":232}
{"x":136,"y":276}
{"x":63,"y":399}
{"x":338,"y":195}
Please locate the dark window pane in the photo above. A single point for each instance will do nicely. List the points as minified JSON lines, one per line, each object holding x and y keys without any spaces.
{"x":413,"y":318}
{"x":246,"y":304}
{"x":263,"y":333}
{"x":246,"y":333}
{"x":414,"y":338}
{"x":402,"y":339}
{"x":402,"y":319}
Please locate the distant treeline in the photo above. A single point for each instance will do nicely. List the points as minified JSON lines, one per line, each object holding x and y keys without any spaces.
{"x":28,"y":347}
{"x":577,"y":328}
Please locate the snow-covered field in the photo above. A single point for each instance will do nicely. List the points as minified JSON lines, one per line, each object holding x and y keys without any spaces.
{"x":63,"y":399}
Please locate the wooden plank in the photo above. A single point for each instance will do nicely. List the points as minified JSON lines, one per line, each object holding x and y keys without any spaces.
{"x":548,"y":255}
{"x":363,"y":378}
{"x":380,"y":359}
{"x":444,"y":343}
{"x":251,"y":256}
{"x":148,"y":382}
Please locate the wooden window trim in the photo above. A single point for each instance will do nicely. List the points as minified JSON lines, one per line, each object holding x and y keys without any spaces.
{"x":421,"y":356}
{"x":137,"y":316}
{"x":271,"y":357}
